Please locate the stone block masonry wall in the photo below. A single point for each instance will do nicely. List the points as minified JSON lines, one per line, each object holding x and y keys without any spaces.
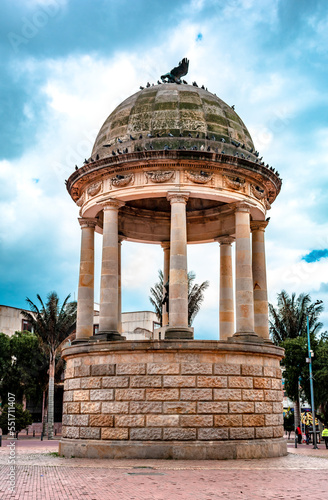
{"x":172,"y":396}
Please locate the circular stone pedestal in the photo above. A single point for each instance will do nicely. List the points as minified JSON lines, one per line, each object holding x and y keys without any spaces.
{"x":173,"y":399}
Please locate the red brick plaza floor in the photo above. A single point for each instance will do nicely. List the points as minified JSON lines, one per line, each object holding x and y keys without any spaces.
{"x":40,"y":474}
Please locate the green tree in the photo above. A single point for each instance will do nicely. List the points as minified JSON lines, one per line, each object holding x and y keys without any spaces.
{"x":288,"y":319}
{"x":22,"y":366}
{"x":288,"y":329}
{"x":52,"y":323}
{"x":195,"y":296}
{"x":22,"y":419}
{"x":5,"y":360}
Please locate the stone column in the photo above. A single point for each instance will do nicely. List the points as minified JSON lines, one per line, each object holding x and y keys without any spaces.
{"x":178,"y":287}
{"x":227,"y":309}
{"x":244,"y":278}
{"x":166,"y":247}
{"x":108,"y":312}
{"x":119,"y":309}
{"x":261,"y":310}
{"x":85,"y":296}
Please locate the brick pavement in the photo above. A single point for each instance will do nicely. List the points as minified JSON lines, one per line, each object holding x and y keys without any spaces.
{"x":41,"y":475}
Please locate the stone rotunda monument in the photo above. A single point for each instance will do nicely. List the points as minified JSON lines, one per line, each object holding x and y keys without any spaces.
{"x":173,"y":164}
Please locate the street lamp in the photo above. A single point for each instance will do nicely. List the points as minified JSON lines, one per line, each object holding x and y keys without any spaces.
{"x":309,"y":360}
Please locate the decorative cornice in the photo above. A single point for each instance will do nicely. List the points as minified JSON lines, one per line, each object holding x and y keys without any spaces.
{"x":87,"y":222}
{"x":160,"y":176}
{"x":178,"y":196}
{"x":111,"y":165}
{"x":199,"y":177}
{"x":259,"y":225}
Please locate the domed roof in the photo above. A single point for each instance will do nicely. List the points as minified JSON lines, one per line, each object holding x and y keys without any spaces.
{"x":171,"y":116}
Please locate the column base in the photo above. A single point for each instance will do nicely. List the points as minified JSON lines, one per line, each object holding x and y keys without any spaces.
{"x":245,"y":337}
{"x":179,"y":332}
{"x":107,"y":336}
{"x":80,"y":340}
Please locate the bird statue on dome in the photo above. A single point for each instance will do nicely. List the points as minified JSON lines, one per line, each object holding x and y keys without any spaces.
{"x":174,"y":76}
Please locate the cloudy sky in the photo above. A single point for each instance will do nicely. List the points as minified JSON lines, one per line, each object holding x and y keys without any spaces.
{"x":66,"y":64}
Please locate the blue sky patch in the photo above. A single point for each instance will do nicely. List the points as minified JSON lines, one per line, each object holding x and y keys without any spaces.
{"x":315,"y":255}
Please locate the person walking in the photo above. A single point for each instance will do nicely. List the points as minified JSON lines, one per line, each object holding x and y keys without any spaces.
{"x":299,"y":435}
{"x":325,"y":436}
{"x":307,"y":435}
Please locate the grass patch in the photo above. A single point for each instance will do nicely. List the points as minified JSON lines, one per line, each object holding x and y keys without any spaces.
{"x":53,"y":454}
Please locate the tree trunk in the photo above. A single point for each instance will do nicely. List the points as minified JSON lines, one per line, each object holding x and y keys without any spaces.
{"x":51,"y":394}
{"x":297,"y":415}
{"x":44,"y":412}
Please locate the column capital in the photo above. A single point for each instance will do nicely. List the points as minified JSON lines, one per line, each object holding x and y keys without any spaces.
{"x":259,"y":225}
{"x":243,"y":206}
{"x":109,"y":203}
{"x":87,"y":222}
{"x":178,"y":196}
{"x":165,"y":245}
{"x":225,"y":240}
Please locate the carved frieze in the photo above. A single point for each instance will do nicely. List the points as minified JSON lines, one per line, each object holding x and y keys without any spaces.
{"x":259,"y":193}
{"x":94,"y":188}
{"x":160,"y":176}
{"x":200,"y":177}
{"x":120,"y":181}
{"x":267,"y":203}
{"x":81,"y":200}
{"x":236,"y":183}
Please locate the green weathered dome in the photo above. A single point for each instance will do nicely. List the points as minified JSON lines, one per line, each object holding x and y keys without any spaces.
{"x":191,"y":114}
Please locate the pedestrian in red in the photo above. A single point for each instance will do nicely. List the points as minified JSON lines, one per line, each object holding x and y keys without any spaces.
{"x":299,"y":434}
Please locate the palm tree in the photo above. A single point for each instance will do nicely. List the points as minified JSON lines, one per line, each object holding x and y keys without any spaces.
{"x":52,"y":324}
{"x":288,"y":321}
{"x":195,"y":296}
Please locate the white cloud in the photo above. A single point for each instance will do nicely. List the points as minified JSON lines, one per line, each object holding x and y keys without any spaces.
{"x":78,"y":93}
